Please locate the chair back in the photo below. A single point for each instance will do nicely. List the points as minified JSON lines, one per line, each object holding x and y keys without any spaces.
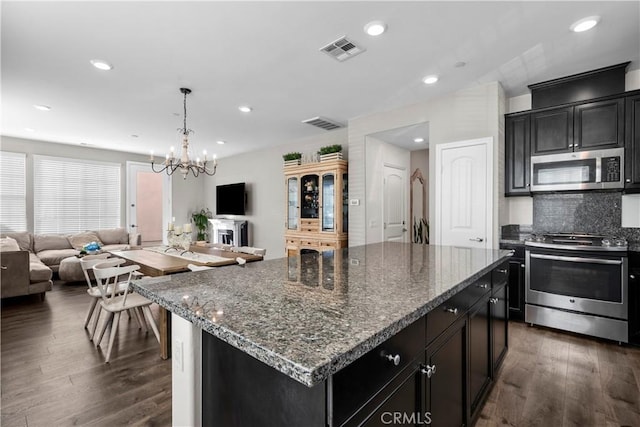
{"x":108,"y":273}
{"x":194,"y":267}
{"x":88,"y":261}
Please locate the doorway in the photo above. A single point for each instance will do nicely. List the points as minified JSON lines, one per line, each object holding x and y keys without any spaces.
{"x":394,"y":204}
{"x":464,"y":193}
{"x":148,"y":202}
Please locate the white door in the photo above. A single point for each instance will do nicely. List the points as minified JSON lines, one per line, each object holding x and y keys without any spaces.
{"x":394,"y":204}
{"x":464,"y":193}
{"x":148,"y":202}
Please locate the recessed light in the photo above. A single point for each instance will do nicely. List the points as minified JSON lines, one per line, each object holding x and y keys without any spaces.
{"x":459,"y":64}
{"x":585,"y":24}
{"x":42,"y":107}
{"x":430,"y":80}
{"x":135,"y":136}
{"x":101,"y":65}
{"x":375,"y":28}
{"x":418,"y":140}
{"x":245,"y":109}
{"x":220,"y":142}
{"x":29,"y":129}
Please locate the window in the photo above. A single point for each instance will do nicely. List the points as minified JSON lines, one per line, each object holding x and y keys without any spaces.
{"x":13,"y":194}
{"x":71,"y":195}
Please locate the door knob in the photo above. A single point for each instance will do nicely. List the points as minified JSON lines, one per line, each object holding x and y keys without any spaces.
{"x":428,"y":370}
{"x":451,"y":310}
{"x":477,"y":239}
{"x":404,"y":230}
{"x":393,"y":359}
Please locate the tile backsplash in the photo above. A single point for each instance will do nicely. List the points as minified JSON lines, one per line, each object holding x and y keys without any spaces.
{"x":588,"y":212}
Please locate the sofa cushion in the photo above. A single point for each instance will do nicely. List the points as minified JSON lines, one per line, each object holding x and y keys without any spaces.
{"x":79,"y":240}
{"x":108,"y":248}
{"x":114,"y":236}
{"x":52,"y":257}
{"x":38,"y":272}
{"x":24,"y":239}
{"x":45,"y":242}
{"x":8,"y":244}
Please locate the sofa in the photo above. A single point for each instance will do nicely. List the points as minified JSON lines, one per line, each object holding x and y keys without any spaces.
{"x":29,"y":260}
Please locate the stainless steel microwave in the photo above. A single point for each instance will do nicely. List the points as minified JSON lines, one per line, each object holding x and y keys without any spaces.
{"x":580,"y":170}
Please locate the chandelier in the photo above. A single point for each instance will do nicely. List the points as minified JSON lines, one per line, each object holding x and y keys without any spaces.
{"x":184,"y":164}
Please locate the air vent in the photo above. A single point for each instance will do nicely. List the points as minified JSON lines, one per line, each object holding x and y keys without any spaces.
{"x":323,"y":123}
{"x":342,"y":49}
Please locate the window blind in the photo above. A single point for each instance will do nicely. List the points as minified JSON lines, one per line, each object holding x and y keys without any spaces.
{"x":72,"y":195}
{"x":13,"y":193}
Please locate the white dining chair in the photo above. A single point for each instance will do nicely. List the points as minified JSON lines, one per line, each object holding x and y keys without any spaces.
{"x":108,"y":274}
{"x":87,"y":263}
{"x":193,"y":267}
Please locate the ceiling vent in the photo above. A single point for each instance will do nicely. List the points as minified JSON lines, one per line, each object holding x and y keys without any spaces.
{"x":342,"y":49}
{"x":323,"y":123}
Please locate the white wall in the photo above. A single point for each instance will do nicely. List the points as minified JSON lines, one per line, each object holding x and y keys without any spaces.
{"x":262,"y":171}
{"x":379,"y":153}
{"x":466,"y":114}
{"x":519,"y":210}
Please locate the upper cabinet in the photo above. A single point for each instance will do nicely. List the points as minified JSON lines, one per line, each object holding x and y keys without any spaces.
{"x":599,"y":125}
{"x":583,"y":127}
{"x":518,"y":155}
{"x":632,"y":149}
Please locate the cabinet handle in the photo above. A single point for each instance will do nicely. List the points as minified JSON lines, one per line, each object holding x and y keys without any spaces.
{"x":4,"y":267}
{"x":451,"y":310}
{"x":493,"y":300}
{"x":394,"y":359}
{"x":627,"y":180}
{"x":631,"y":276}
{"x":522,"y":265}
{"x":428,"y":370}
{"x":502,"y":270}
{"x":482,"y":286}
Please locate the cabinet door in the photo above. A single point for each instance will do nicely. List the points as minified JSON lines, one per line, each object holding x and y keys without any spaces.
{"x":479,"y":353}
{"x":552,"y":131}
{"x":345,"y":203}
{"x":402,"y":407}
{"x":499,"y":327}
{"x":310,"y":196}
{"x":632,"y":150}
{"x":516,"y":289}
{"x":599,"y":125}
{"x":445,"y":387}
{"x":517,"y":156}
{"x":328,"y":202}
{"x":293,"y":193}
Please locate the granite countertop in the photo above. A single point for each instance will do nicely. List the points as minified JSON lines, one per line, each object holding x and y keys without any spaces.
{"x":310,"y":316}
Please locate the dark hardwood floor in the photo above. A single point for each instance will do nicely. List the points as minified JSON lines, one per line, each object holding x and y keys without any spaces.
{"x":52,"y":375}
{"x":553,"y":378}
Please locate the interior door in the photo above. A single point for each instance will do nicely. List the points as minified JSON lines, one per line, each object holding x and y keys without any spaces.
{"x":464,"y":193}
{"x":394,"y":205}
{"x":146,"y":204}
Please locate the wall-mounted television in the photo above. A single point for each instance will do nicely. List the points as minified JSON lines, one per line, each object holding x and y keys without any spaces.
{"x":230,"y":199}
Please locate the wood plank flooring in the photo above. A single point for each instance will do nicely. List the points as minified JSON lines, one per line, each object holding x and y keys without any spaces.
{"x":553,"y":378}
{"x":52,"y":375}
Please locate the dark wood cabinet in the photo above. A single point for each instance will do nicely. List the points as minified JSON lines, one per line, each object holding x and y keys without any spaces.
{"x":598,"y":125}
{"x":632,"y":145}
{"x":552,"y":131}
{"x":445,"y":377}
{"x":499,"y":326}
{"x":517,"y":155}
{"x":479,"y":352}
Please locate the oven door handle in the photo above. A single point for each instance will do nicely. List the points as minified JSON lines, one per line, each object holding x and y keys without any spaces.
{"x":578,"y":259}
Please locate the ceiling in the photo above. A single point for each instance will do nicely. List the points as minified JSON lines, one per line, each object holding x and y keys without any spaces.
{"x":266,"y":55}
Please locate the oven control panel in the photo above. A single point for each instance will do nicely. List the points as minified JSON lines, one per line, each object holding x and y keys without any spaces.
{"x":611,"y":169}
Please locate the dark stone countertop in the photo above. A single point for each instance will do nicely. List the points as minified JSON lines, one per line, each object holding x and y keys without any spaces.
{"x":310,"y":316}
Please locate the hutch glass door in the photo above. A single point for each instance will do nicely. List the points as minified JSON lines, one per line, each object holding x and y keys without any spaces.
{"x":292,"y":203}
{"x":328,"y":202}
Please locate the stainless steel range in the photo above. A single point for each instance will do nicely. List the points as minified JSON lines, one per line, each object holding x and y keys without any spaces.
{"x":578,"y":282}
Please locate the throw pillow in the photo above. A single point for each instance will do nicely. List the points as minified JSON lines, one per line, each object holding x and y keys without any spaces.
{"x":114,"y":236}
{"x":43,"y":242}
{"x":23,"y":238}
{"x":79,"y":240}
{"x":8,"y":244}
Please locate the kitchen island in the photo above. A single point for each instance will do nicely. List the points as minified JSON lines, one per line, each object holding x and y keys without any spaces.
{"x":328,"y":338}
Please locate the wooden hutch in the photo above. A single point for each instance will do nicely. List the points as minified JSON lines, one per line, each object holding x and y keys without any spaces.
{"x":317,"y":206}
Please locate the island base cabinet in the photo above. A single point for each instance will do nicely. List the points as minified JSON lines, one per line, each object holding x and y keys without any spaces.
{"x":444,"y":376}
{"x":238,"y":390}
{"x":479,"y":353}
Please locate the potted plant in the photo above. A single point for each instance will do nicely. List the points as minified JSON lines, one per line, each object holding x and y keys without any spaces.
{"x":292,"y":159}
{"x":201,"y":221}
{"x":330,"y":152}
